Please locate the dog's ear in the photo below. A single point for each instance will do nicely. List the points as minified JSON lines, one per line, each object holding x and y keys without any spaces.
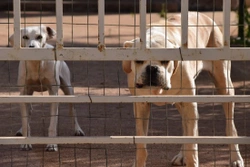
{"x":11,"y":40}
{"x":128,"y":44}
{"x":51,"y":32}
{"x":126,"y":66}
{"x":133,"y":43}
{"x":176,"y":65}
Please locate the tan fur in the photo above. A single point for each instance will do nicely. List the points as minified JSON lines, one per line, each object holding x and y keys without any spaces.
{"x":178,"y":78}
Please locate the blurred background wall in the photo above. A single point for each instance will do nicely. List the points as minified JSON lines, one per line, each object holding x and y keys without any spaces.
{"x":112,"y":6}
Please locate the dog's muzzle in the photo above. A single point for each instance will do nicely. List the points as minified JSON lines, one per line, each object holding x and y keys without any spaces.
{"x":34,"y":44}
{"x":152,"y":73}
{"x":153,"y":78}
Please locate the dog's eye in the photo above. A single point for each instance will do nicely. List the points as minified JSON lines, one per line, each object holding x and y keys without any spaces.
{"x":25,"y":37}
{"x":139,"y":62}
{"x":39,"y":37}
{"x":164,"y":62}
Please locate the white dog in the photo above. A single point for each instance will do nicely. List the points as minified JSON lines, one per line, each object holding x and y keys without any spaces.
{"x":178,"y":78}
{"x":42,"y":76}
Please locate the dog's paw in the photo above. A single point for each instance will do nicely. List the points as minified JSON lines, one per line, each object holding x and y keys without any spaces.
{"x":178,"y":160}
{"x":19,"y":132}
{"x":134,"y":165}
{"x":238,"y":163}
{"x":236,"y":159}
{"x":52,"y":147}
{"x":79,"y":133}
{"x":26,"y":147}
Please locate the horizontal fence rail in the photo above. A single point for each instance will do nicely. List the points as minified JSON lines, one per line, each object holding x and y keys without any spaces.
{"x":125,"y":99}
{"x":119,"y":54}
{"x":125,"y":140}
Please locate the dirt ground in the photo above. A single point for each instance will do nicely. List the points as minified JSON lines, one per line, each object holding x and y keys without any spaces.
{"x":107,"y":78}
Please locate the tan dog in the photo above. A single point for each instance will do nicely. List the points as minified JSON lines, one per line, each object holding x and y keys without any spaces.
{"x":40,"y":76}
{"x":178,"y":78}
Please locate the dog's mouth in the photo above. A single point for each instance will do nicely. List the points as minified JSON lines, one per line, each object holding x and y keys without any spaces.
{"x":157,"y":86}
{"x":153,"y":77}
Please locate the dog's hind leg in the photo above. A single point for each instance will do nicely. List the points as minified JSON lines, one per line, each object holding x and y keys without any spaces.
{"x":78,"y":130}
{"x":141,"y":114}
{"x":68,"y":90}
{"x":222,"y":80}
{"x":52,"y":131}
{"x":188,"y":156}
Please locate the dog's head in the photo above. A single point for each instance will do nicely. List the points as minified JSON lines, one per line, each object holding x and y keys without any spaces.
{"x":153,"y":74}
{"x":34,"y":36}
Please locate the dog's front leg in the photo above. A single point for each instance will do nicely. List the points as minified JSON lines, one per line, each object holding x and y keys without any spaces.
{"x":25,"y":130}
{"x":189,"y":152}
{"x":52,"y":131}
{"x":68,"y":90}
{"x":141,"y":113}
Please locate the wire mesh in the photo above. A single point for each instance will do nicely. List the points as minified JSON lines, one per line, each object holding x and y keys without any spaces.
{"x":122,"y":22}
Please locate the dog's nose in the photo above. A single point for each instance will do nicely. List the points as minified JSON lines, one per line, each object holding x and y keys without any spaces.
{"x":31,"y":46}
{"x":166,"y":88}
{"x":152,"y":75}
{"x":139,"y":85}
{"x":151,"y":69}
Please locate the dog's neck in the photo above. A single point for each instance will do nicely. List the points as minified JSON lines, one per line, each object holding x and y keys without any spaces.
{"x":37,"y":63}
{"x":34,"y":64}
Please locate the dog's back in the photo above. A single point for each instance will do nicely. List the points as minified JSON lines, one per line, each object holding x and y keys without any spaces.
{"x":197,"y":23}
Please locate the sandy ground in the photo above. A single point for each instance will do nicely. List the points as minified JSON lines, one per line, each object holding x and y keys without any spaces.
{"x":107,"y":78}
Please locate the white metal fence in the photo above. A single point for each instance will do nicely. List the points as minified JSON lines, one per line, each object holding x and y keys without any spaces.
{"x":103,"y":53}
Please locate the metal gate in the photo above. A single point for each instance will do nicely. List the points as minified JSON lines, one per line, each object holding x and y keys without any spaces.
{"x":103,"y":53}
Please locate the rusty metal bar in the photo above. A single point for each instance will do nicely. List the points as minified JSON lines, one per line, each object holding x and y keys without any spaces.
{"x":143,"y":13}
{"x":184,"y":24}
{"x":101,"y":14}
{"x":59,"y":24}
{"x":17,"y":21}
{"x":226,"y":21}
{"x":114,"y":54}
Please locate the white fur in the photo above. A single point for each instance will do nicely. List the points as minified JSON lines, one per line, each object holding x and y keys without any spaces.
{"x":42,"y":76}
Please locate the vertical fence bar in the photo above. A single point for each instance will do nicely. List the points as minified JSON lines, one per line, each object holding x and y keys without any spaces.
{"x":17,"y":22}
{"x":184,"y":23}
{"x":143,"y":13}
{"x":226,"y":20}
{"x":101,"y":14}
{"x":59,"y":24}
